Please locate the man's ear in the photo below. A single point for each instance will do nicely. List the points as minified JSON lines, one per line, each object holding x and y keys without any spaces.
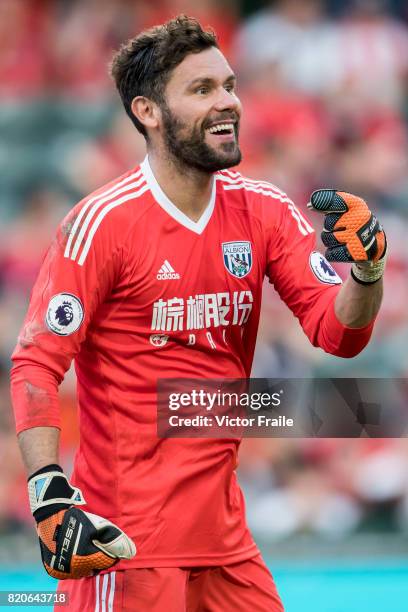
{"x":146,"y":111}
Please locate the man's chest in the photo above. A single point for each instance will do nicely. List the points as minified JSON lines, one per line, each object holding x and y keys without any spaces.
{"x":186,"y":284}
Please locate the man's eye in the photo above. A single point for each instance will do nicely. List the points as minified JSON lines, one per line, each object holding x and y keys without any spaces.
{"x":229,"y":87}
{"x":202,"y":91}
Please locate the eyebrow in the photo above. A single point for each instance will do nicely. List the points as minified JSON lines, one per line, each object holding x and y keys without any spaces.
{"x":209,"y":80}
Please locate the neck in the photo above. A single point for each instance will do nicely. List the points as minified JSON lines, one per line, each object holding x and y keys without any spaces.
{"x":188,"y":188}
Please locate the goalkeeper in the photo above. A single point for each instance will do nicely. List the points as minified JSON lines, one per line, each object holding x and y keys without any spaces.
{"x":160,"y":274}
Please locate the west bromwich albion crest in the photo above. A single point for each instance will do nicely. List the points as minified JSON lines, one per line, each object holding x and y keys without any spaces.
{"x":237,"y":258}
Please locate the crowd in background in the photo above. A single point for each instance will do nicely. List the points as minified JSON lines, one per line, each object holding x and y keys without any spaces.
{"x":324,"y":86}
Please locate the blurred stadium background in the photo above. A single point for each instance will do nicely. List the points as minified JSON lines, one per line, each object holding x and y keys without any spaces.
{"x":324,"y":88}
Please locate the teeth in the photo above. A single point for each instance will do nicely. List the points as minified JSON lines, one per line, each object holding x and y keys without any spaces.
{"x":223,"y":126}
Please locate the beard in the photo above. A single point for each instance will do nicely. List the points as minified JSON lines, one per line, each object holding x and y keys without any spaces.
{"x":192,"y":150}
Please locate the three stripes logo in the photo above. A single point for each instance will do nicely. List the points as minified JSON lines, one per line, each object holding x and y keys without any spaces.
{"x":235,"y":181}
{"x":167,"y":272}
{"x":95,"y":210}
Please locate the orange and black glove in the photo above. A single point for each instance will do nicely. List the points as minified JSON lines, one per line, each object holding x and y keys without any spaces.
{"x":351,"y":233}
{"x":74,"y":543}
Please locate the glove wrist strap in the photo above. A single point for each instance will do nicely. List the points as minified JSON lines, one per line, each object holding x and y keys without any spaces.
{"x":52,"y":467}
{"x":50,"y":487}
{"x":367,"y":273}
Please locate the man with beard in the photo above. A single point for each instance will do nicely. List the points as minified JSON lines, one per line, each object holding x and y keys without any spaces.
{"x":163,"y":269}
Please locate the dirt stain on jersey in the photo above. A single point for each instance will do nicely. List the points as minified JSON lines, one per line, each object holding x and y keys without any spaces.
{"x":30,"y":332}
{"x":38,"y":400}
{"x":66,"y":229}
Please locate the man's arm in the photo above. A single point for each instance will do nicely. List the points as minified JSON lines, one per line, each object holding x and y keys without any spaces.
{"x":338,"y":318}
{"x":353,"y":234}
{"x":357,"y":305}
{"x":99,"y":544}
{"x":39,"y":447}
{"x":74,"y":543}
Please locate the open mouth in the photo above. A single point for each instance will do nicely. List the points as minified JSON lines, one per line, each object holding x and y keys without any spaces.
{"x":222,"y":129}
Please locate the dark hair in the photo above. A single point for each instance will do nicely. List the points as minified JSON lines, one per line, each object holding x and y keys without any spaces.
{"x":143,"y":65}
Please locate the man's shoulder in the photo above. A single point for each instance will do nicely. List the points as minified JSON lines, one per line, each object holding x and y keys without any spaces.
{"x":233,"y":180}
{"x":121,"y":190}
{"x":111,"y":201}
{"x":106,"y":214}
{"x":263,"y":200}
{"x":258,"y":195}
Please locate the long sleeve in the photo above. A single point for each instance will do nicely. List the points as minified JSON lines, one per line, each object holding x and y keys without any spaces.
{"x":64,"y":299}
{"x":308,"y":284}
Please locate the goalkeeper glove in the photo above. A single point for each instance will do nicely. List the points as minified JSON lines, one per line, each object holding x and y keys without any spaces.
{"x":74,"y":543}
{"x":351,"y":233}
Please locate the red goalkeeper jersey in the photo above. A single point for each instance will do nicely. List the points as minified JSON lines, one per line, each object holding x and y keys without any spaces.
{"x":133,"y":290}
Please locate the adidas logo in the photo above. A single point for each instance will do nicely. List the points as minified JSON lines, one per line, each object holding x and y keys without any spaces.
{"x":167,"y":272}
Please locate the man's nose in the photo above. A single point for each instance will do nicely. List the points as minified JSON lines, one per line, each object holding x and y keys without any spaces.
{"x":227,"y":100}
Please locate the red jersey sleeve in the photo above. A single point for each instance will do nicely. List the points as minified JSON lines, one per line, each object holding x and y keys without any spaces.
{"x":307,"y":283}
{"x":68,"y":291}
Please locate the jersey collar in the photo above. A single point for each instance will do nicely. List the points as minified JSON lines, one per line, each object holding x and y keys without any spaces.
{"x":171,"y":209}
